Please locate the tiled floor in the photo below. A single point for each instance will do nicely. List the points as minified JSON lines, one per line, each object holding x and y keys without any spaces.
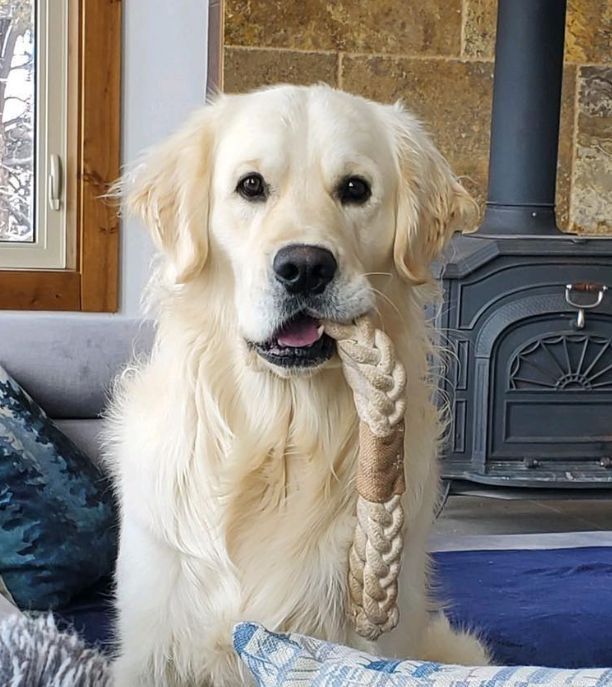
{"x":469,"y":515}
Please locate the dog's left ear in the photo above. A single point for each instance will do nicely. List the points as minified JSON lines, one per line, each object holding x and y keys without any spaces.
{"x":431,"y":203}
{"x":169,"y":191}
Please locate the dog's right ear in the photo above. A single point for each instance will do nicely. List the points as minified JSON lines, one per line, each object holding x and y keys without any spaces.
{"x":169,"y":191}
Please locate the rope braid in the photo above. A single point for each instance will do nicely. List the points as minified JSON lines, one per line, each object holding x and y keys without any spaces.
{"x":378,"y":382}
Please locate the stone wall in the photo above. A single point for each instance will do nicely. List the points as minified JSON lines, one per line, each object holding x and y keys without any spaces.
{"x":437,"y":55}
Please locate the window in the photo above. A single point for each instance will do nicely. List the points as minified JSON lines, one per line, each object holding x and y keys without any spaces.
{"x":33,"y":98}
{"x":59,"y":151}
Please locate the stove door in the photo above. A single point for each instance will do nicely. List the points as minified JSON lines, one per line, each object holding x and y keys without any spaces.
{"x":551,"y":394}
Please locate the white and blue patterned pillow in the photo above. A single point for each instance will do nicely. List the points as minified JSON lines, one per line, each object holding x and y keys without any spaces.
{"x":291,"y":660}
{"x":57,"y":519}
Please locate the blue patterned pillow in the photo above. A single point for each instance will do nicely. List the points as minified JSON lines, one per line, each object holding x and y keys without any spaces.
{"x":279,"y":660}
{"x":57,"y":520}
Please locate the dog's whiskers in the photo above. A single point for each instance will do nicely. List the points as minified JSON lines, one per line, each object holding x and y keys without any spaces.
{"x":386,"y":298}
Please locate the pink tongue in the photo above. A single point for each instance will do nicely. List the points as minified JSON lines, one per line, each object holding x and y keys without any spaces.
{"x":302,"y":332}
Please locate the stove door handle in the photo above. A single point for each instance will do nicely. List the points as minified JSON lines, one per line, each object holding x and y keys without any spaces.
{"x":587,"y":287}
{"x":584,"y":287}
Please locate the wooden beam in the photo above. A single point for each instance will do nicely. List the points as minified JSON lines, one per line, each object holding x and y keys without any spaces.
{"x":100,"y":113}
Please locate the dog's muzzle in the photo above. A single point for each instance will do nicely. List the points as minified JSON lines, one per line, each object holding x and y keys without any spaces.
{"x":302,"y":274}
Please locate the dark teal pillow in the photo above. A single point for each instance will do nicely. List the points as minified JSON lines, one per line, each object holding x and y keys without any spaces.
{"x":57,"y":517}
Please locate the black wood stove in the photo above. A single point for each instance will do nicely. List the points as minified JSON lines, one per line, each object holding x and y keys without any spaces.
{"x":527,"y":315}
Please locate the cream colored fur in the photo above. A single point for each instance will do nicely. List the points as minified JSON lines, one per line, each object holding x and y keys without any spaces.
{"x":236,"y":480}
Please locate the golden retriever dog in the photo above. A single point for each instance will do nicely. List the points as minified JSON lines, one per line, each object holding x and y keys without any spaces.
{"x":234,"y":447}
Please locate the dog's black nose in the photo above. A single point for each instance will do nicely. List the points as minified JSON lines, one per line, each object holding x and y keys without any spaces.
{"x":304,"y":269}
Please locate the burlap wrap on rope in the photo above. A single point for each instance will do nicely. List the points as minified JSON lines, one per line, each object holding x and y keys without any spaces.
{"x":378,"y":382}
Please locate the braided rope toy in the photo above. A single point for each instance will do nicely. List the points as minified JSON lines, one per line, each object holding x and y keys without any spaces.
{"x":378,"y":382}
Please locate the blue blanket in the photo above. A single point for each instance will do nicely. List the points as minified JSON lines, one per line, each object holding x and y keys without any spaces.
{"x":543,"y":607}
{"x":91,"y":615}
{"x":551,"y":607}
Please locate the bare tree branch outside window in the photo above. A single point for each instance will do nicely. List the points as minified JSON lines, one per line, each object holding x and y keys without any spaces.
{"x":17,"y":88}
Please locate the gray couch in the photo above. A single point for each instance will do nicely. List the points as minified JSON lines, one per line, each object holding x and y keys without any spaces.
{"x":67,"y":363}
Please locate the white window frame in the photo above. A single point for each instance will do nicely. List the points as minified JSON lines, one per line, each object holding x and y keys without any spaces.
{"x":48,"y":250}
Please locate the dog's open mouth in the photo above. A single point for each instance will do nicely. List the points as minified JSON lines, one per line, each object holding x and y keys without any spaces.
{"x":299,"y":342}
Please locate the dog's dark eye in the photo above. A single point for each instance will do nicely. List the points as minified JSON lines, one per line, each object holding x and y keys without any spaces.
{"x":354,"y":190}
{"x":252,"y":187}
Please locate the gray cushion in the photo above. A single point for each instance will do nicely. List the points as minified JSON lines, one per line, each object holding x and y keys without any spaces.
{"x":6,"y":608}
{"x":85,"y":434}
{"x":67,"y":362}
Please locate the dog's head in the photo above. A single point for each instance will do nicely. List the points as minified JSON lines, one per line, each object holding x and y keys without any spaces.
{"x":302,"y":194}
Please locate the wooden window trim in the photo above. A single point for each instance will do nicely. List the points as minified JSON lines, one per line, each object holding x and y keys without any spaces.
{"x":93,"y":163}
